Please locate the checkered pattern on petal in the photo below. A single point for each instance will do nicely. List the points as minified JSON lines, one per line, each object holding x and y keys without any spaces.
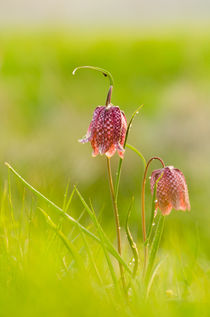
{"x":172,"y":189}
{"x":92,"y":127}
{"x":107,"y":131}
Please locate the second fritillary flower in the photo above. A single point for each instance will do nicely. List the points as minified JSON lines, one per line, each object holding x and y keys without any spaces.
{"x":107,"y":131}
{"x":172,"y":189}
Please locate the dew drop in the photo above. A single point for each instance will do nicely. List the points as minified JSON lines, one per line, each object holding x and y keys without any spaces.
{"x":130,"y":292}
{"x":153,"y":224}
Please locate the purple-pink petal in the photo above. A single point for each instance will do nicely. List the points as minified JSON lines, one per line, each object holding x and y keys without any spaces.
{"x":172,"y":189}
{"x":107,"y":131}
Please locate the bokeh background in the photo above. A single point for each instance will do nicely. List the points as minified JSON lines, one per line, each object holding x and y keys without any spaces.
{"x":159,"y":55}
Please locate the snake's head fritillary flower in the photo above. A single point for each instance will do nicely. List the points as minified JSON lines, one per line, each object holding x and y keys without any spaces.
{"x":107,"y":131}
{"x":172,"y":189}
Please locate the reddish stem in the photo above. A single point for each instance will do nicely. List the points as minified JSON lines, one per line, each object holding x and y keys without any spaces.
{"x":143,"y":207}
{"x":109,"y":95}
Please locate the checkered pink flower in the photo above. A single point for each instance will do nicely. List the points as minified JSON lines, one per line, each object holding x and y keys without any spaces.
{"x":107,"y":131}
{"x":172,"y":189}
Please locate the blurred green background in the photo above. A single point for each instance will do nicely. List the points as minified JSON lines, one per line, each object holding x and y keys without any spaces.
{"x":44,"y":110}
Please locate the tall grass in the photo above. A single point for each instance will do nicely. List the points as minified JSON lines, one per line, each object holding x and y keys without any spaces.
{"x":48,"y":268}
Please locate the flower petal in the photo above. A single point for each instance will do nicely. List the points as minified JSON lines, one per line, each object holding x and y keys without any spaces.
{"x":172,"y":189}
{"x":111,"y":151}
{"x":107,"y":131}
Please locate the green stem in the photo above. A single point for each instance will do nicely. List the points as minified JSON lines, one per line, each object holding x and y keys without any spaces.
{"x":131,"y":147}
{"x":106,"y":74}
{"x":132,"y":242}
{"x":120,"y":161}
{"x":101,"y":70}
{"x":143,"y":209}
{"x":117,"y":222}
{"x":152,"y":218}
{"x":154,"y":247}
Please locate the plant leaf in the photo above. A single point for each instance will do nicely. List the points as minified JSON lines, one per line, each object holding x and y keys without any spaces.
{"x":105,"y":238}
{"x":117,"y":182}
{"x":131,"y":147}
{"x":131,"y":241}
{"x":152,"y":217}
{"x":63,"y":238}
{"x":155,"y":245}
{"x":110,"y":247}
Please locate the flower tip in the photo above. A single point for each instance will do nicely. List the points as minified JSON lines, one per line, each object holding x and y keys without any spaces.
{"x":188,"y":207}
{"x":166,"y":212}
{"x":120,"y":150}
{"x":121,"y":154}
{"x":74,"y":71}
{"x":83,"y":140}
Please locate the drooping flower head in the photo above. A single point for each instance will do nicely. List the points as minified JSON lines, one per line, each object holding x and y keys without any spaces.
{"x":107,"y":131}
{"x":172,"y":189}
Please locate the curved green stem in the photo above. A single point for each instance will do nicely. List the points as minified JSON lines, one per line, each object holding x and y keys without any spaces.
{"x":131,"y":147}
{"x":143,"y":208}
{"x":154,"y":247}
{"x":101,"y":70}
{"x":117,"y":182}
{"x":131,"y":120}
{"x":117,"y":221}
{"x":106,"y":74}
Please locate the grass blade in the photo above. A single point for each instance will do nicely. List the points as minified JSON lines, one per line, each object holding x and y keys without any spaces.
{"x":92,"y":261}
{"x":152,"y":211}
{"x":101,"y":234}
{"x":117,"y":182}
{"x":111,"y":269}
{"x":65,"y":209}
{"x":109,"y":245}
{"x":131,"y":121}
{"x":60,"y":210}
{"x":131,"y":241}
{"x":65,"y":196}
{"x":155,"y":246}
{"x":131,"y":147}
{"x":153,"y":277}
{"x":150,"y":227}
{"x":63,"y":238}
